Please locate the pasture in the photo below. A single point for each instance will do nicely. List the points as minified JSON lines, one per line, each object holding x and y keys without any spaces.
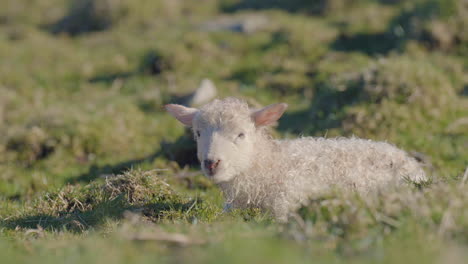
{"x":92,"y":169}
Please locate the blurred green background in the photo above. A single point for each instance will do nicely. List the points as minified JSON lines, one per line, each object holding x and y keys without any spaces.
{"x":83,"y":82}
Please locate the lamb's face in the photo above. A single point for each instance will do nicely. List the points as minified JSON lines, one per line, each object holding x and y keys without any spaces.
{"x":225,"y":146}
{"x":227,"y":134}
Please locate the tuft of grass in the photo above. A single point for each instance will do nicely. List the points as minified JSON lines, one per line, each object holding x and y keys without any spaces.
{"x":353,"y":223}
{"x":77,"y":208}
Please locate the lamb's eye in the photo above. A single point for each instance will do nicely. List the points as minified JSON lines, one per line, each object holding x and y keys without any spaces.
{"x":241,"y":135}
{"x":198,"y":133}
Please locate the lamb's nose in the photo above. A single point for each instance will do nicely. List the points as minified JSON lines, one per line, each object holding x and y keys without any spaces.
{"x":211,"y":164}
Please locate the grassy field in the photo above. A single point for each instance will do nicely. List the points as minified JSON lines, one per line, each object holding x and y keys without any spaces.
{"x":92,"y":170}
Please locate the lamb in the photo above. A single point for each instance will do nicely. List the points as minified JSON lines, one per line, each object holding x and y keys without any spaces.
{"x":278,"y":176}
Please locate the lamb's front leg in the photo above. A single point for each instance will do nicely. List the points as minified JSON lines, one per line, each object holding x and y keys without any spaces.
{"x":227,"y":207}
{"x":281,"y":215}
{"x":280,"y":209}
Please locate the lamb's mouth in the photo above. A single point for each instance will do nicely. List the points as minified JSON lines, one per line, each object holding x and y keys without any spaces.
{"x":210,"y":167}
{"x":212,"y":176}
{"x":210,"y":173}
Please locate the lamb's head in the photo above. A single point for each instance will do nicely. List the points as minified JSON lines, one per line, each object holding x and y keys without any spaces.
{"x":228,"y":134}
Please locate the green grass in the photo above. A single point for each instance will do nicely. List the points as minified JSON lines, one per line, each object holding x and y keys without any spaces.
{"x":81,"y":101}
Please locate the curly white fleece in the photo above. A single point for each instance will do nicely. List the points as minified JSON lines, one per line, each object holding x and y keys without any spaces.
{"x":284,"y":174}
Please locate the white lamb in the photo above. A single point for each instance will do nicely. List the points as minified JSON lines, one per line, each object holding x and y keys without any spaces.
{"x":254,"y":170}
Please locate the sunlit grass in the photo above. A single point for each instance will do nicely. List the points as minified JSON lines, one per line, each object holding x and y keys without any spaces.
{"x":79,"y":107}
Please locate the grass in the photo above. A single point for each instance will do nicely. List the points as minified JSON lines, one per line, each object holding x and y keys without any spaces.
{"x":93,"y":170}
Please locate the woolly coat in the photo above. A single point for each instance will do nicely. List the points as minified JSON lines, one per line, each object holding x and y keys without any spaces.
{"x":281,"y":175}
{"x":287,"y":173}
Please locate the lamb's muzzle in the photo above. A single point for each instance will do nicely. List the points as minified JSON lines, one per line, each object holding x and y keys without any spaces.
{"x":211,"y":166}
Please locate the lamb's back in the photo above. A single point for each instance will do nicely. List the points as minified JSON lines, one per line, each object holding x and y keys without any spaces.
{"x":359,"y":164}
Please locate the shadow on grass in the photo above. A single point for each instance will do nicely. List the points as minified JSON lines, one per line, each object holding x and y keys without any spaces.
{"x":152,"y":63}
{"x":464,"y":91}
{"x":79,"y":221}
{"x":111,"y":77}
{"x":326,"y":111}
{"x":408,"y":25}
{"x":183,"y":151}
{"x":293,"y":6}
{"x":108,"y":169}
{"x":314,"y":7}
{"x":87,"y":16}
{"x":370,"y":44}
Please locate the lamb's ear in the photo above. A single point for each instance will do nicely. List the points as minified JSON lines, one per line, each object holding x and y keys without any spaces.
{"x":184,"y":114}
{"x":269,"y":115}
